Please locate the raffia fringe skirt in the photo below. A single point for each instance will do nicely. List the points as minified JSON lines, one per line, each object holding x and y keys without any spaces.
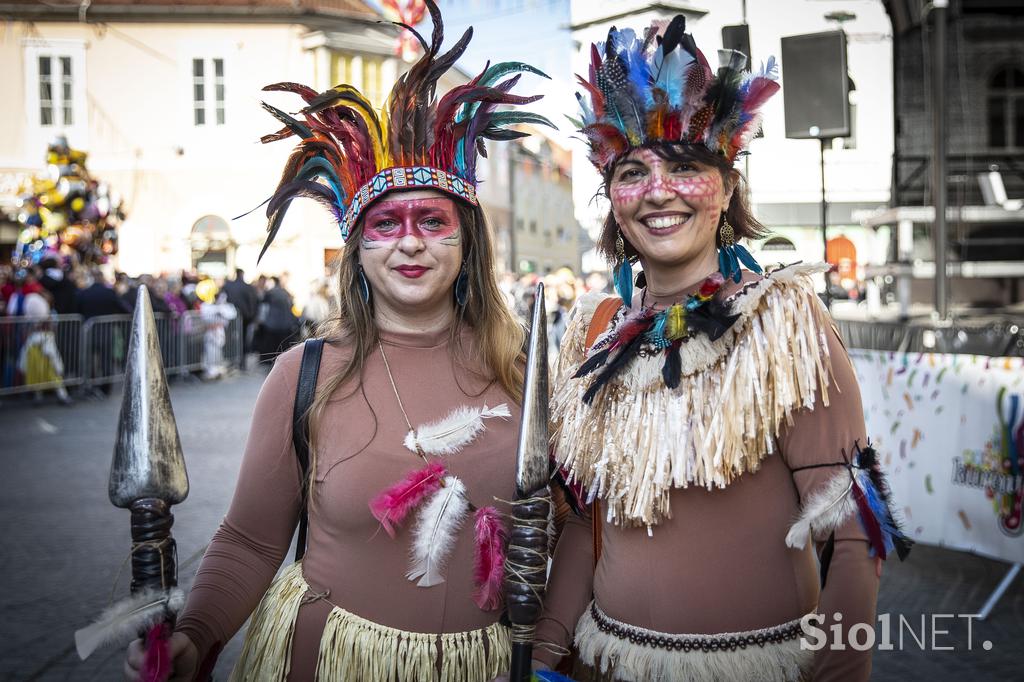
{"x":612,"y":651}
{"x":354,"y":649}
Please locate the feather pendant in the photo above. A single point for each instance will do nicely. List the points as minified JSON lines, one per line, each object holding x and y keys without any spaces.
{"x":123,"y":620}
{"x":614,"y":367}
{"x":593,"y":362}
{"x":869,"y":521}
{"x":450,"y":434}
{"x":675,"y":322}
{"x":158,"y":664}
{"x":437,"y":525}
{"x":489,"y":560}
{"x":672,"y":370}
{"x":876,"y":491}
{"x":746,"y":258}
{"x":391,"y":506}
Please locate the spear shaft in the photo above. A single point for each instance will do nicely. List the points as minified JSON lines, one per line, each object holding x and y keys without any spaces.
{"x":527,"y":556}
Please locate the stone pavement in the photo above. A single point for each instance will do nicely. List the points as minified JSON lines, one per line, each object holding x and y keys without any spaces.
{"x":64,"y":544}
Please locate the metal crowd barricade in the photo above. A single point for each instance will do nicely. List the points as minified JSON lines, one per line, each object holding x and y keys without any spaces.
{"x":190,"y":339}
{"x":105,"y":348}
{"x":65,"y":351}
{"x":40,"y":353}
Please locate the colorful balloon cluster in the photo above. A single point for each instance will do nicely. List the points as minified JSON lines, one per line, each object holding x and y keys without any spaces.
{"x":67,"y":214}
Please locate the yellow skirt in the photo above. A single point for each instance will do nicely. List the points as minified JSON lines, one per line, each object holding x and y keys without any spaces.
{"x":357,"y":650}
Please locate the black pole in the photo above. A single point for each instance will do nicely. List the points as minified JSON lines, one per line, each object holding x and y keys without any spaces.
{"x":824,"y":223}
{"x":939,"y":156}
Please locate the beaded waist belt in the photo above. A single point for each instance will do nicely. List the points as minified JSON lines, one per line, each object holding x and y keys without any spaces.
{"x":726,"y":641}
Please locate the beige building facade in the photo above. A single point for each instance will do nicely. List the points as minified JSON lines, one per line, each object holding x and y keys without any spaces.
{"x":165,"y":97}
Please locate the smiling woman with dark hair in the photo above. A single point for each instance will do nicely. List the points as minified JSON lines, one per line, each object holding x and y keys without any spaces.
{"x":707,"y":419}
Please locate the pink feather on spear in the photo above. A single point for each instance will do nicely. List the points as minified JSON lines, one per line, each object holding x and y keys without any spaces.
{"x":391,"y":506}
{"x":157,"y":666}
{"x":489,"y":562}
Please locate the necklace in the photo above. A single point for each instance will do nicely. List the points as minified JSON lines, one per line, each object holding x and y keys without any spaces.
{"x":661,"y":331}
{"x":405,"y":415}
{"x":442,"y":503}
{"x":447,"y":435}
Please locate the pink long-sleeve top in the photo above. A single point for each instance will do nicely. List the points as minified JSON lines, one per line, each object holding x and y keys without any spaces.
{"x":360,"y":452}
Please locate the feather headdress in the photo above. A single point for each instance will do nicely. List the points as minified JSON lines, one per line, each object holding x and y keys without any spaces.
{"x":659,"y":87}
{"x":349,"y":154}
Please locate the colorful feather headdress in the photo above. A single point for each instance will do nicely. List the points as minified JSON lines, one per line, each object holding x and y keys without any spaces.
{"x":349,"y":154}
{"x":660,"y":88}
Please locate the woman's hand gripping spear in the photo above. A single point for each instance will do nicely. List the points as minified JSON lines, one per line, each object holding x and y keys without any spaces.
{"x":147,"y":476}
{"x":526,"y":562}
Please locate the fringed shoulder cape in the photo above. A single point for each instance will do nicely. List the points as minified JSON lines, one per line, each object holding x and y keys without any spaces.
{"x":640,"y":439}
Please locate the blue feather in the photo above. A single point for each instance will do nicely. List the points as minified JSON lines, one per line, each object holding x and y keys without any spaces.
{"x":549,"y":676}
{"x":747,"y":259}
{"x":670,"y":74}
{"x":657,"y":330}
{"x":318,"y":167}
{"x":624,"y":282}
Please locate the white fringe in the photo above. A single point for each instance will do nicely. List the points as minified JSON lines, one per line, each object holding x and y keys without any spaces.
{"x":782,"y":662}
{"x":450,"y":434}
{"x":438,"y":523}
{"x":825,"y":510}
{"x":123,"y":621}
{"x":640,"y":439}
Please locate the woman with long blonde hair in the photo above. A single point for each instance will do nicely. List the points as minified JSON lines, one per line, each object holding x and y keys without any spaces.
{"x":414,"y":423}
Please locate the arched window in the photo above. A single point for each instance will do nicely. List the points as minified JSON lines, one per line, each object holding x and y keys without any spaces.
{"x":778,"y":244}
{"x":1006,"y":108}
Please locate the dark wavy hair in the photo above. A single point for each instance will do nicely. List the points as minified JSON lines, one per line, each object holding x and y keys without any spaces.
{"x":738,"y":213}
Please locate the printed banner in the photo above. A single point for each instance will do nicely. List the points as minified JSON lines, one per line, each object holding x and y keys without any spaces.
{"x":950,"y":433}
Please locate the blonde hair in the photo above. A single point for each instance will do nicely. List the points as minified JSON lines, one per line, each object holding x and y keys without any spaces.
{"x":498,"y":337}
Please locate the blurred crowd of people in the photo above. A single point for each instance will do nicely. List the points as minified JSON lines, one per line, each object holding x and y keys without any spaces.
{"x":269,"y":320}
{"x":561,"y":289}
{"x":32,"y":352}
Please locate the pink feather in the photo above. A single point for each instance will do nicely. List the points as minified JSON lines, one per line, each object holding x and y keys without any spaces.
{"x":489,"y":562}
{"x":158,"y":664}
{"x":760,"y":91}
{"x":394,"y":504}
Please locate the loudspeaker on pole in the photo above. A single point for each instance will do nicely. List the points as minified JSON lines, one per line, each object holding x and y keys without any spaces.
{"x":816,"y":88}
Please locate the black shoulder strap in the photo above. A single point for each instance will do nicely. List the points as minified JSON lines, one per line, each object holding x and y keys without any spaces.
{"x":304,"y":393}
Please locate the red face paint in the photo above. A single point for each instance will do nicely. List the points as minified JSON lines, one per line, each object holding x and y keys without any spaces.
{"x":658,"y":179}
{"x":390,"y":220}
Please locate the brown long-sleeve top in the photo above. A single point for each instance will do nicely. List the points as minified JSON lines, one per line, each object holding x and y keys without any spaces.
{"x":720,"y":563}
{"x":360,"y":452}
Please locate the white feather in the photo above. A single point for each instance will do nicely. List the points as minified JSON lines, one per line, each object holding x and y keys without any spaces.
{"x":450,"y":434}
{"x":437,"y":524}
{"x":826,"y":509}
{"x":127,"y":618}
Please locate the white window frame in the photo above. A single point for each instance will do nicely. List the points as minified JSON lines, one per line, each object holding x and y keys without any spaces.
{"x":56,"y":50}
{"x":213,"y":103}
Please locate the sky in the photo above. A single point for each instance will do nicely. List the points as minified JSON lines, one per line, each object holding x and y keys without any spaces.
{"x":534,"y":31}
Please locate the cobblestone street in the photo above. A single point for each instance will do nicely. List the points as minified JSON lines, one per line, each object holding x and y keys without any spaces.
{"x":64,"y":544}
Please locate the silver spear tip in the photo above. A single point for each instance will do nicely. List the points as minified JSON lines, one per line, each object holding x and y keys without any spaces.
{"x":148,"y":461}
{"x":532,"y":458}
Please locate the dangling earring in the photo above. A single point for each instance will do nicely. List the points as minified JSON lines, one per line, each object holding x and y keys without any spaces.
{"x":731,"y":254}
{"x":462,"y":286}
{"x":623,"y":273}
{"x":364,"y":286}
